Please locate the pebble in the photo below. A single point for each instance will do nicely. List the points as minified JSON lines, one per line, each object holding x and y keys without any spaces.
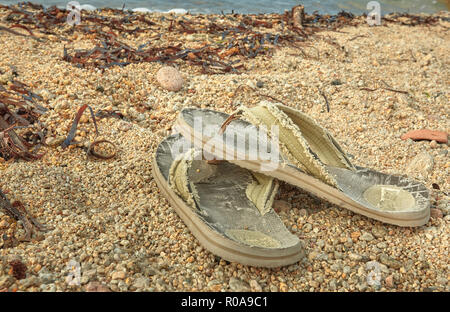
{"x":366,"y":237}
{"x":170,"y":78}
{"x":307,"y":227}
{"x":118,"y":275}
{"x":389,"y":281}
{"x":88,"y":275}
{"x":378,"y":231}
{"x":255,"y":286}
{"x":433,"y":144}
{"x":141,"y":283}
{"x":238,"y":285}
{"x":4,"y":224}
{"x":273,"y":288}
{"x":29,"y":282}
{"x":6,"y":281}
{"x":390,"y":262}
{"x":97,"y":287}
{"x":354,"y":257}
{"x":46,"y":277}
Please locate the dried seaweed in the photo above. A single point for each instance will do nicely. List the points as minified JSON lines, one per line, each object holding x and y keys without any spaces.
{"x":18,"y":212}
{"x":326,"y":100}
{"x":19,"y":109}
{"x":19,"y":269}
{"x":235,"y":37}
{"x":90,"y":151}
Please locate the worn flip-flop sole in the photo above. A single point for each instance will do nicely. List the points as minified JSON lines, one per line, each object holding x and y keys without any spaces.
{"x":284,"y":171}
{"x":218,"y":243}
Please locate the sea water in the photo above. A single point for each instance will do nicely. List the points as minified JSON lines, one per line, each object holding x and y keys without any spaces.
{"x":256,"y":6}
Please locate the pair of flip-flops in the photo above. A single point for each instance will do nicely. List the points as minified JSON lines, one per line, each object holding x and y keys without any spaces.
{"x":220,"y":175}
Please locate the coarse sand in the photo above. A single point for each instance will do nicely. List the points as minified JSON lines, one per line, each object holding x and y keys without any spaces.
{"x":110,"y":217}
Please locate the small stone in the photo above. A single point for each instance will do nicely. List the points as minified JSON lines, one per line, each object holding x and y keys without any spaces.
{"x":354,"y":257}
{"x":170,"y":78}
{"x":389,"y":281}
{"x":215,"y":282}
{"x":6,"y":281}
{"x":367,"y":237}
{"x":314,"y":284}
{"x":355,"y":235}
{"x":390,"y":262}
{"x":436,"y":213}
{"x":30,"y":282}
{"x":281,"y":206}
{"x":259,"y":84}
{"x":378,"y":231}
{"x":97,"y":287}
{"x":433,"y":144}
{"x":45,"y":94}
{"x":312,"y":255}
{"x":273,"y":288}
{"x":140,"y":117}
{"x":332,"y":284}
{"x":118,"y":275}
{"x":88,"y":275}
{"x":302,"y":212}
{"x":4,"y":224}
{"x":141,"y":283}
{"x":255,"y":286}
{"x":421,"y":165}
{"x":346,"y":269}
{"x":238,"y":285}
{"x":361,"y":287}
{"x":46,"y":276}
{"x":307,"y":227}
{"x":335,"y":267}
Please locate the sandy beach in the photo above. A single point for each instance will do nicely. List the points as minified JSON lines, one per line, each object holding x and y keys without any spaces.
{"x":108,"y":216}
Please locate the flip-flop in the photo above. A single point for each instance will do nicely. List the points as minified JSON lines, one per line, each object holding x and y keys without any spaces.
{"x":226,"y":207}
{"x":304,"y":154}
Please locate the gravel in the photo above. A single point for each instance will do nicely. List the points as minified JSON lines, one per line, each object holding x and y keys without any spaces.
{"x":112,"y":225}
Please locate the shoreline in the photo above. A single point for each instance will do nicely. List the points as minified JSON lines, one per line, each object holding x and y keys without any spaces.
{"x":353,"y":8}
{"x":109,"y":216}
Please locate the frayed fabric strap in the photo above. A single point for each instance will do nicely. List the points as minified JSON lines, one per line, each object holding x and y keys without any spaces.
{"x":305,"y":143}
{"x":187,"y":169}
